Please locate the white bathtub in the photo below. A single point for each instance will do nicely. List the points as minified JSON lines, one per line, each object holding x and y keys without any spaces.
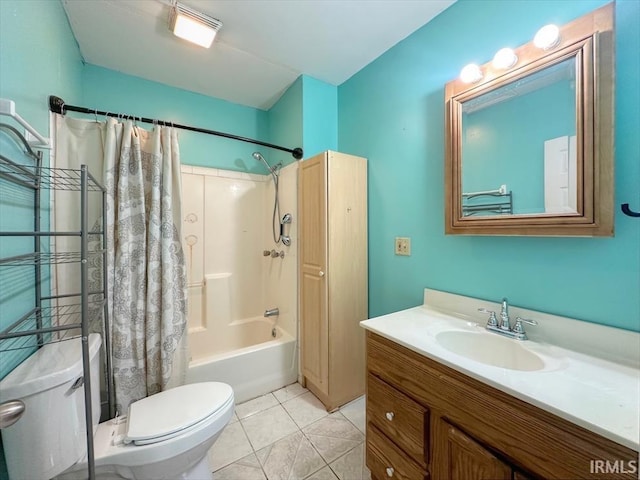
{"x":251,"y":369}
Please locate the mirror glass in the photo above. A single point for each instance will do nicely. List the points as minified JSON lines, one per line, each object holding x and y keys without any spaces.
{"x":518,"y":146}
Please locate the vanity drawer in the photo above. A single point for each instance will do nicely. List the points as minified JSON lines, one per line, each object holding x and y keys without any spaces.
{"x":386,"y":460}
{"x":401,"y":419}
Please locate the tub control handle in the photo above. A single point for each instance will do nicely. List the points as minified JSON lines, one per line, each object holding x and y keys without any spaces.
{"x":10,"y":412}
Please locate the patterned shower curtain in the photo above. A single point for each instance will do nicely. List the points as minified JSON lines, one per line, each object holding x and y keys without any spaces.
{"x":146,"y":282}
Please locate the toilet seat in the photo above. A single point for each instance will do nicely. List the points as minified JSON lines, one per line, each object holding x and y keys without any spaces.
{"x":168,"y":414}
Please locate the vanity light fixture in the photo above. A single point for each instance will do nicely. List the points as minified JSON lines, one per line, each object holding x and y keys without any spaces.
{"x":547,"y":37}
{"x":193,"y":26}
{"x":471,"y":73}
{"x":504,"y":58}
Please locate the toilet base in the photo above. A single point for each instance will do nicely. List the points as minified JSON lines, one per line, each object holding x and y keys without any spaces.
{"x":201,"y":471}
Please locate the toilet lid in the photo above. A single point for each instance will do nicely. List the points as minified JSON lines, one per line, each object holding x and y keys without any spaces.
{"x":164,"y":414}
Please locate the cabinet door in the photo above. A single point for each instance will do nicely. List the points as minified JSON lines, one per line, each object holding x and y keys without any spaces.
{"x":314,"y":325}
{"x":465,"y":459}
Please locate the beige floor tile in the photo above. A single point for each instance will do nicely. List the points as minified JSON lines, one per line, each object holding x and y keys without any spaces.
{"x":292,"y":458}
{"x":323,"y":474}
{"x":333,"y":436}
{"x":232,"y":445}
{"x":355,"y":412}
{"x":256,"y":405}
{"x":290,"y":391}
{"x":246,"y":468}
{"x":351,"y":465}
{"x":305,"y":409}
{"x":268,"y":426}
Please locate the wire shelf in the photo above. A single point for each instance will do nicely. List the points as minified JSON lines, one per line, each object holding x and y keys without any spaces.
{"x":46,"y":325}
{"x":46,"y":177}
{"x":46,"y":258}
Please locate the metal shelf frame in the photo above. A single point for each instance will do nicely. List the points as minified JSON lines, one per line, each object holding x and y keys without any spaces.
{"x":56,"y":318}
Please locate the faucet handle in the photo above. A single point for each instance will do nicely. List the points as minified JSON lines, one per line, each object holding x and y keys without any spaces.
{"x":519,"y":329}
{"x":493,"y":320}
{"x":526,"y":320}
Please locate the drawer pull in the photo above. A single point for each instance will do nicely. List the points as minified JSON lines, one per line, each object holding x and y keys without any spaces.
{"x":390,"y":416}
{"x":390,"y":471}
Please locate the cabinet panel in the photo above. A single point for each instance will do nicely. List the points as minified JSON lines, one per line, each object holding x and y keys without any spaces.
{"x":314,"y":328}
{"x":399,"y":418}
{"x":347,"y":276}
{"x":465,"y":459}
{"x":385,"y":460}
{"x":313,"y":214}
{"x":314,"y":331}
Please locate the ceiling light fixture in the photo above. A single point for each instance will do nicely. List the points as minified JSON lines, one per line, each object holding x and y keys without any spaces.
{"x":547,"y":37}
{"x":504,"y":58}
{"x":471,"y":73}
{"x":192,"y":25}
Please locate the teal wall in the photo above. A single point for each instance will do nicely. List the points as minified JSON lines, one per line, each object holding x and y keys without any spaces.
{"x":285,"y":125}
{"x":392,"y":112}
{"x":113,"y":91}
{"x":500,"y":145}
{"x":320,"y":116}
{"x":29,"y":73}
{"x":38,"y":57}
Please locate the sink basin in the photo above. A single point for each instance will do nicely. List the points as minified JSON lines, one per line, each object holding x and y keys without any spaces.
{"x":490,"y":349}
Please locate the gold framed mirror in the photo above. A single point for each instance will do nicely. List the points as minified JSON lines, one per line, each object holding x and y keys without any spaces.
{"x":529,"y":147}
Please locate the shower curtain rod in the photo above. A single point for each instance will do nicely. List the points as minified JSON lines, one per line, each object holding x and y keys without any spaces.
{"x":57,"y":105}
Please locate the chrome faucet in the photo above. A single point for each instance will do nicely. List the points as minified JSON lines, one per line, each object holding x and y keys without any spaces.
{"x":504,"y":316}
{"x":504,"y":326}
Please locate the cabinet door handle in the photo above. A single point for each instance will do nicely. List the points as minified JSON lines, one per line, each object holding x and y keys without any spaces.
{"x":321,"y":273}
{"x":390,"y":471}
{"x":390,"y":416}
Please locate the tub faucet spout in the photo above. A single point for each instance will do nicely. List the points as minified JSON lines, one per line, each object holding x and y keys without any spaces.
{"x":272,"y":312}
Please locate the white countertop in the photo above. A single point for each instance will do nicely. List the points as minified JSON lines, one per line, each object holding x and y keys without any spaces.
{"x":599,"y":395}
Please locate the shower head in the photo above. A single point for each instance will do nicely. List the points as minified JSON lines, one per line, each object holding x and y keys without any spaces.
{"x":258,"y":156}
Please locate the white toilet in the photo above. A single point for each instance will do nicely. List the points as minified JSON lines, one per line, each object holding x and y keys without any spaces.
{"x":165,"y":436}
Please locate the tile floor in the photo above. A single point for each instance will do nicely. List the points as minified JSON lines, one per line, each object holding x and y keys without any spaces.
{"x":288,"y":435}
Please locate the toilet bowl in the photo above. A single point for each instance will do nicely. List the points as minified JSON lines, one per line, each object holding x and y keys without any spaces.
{"x":164,"y":436}
{"x":167,"y":442}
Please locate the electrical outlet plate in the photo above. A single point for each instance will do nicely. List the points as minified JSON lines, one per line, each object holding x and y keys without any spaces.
{"x":403,"y":246}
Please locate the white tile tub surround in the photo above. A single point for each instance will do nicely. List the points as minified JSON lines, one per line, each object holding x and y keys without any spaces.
{"x":226,"y":226}
{"x":601,"y":395}
{"x":331,"y":448}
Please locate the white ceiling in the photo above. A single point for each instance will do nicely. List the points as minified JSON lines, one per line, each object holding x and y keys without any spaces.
{"x":263,"y":46}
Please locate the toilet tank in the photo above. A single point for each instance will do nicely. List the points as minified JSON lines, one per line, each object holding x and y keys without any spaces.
{"x":50,"y":436}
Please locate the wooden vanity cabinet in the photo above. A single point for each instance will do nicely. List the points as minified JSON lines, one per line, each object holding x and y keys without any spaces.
{"x":449,"y":426}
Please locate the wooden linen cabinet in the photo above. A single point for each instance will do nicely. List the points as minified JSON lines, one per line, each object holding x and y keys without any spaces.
{"x":332,"y":196}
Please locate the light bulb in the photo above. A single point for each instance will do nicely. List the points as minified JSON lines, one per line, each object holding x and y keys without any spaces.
{"x":471,"y":73}
{"x":547,"y":37}
{"x":504,"y":58}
